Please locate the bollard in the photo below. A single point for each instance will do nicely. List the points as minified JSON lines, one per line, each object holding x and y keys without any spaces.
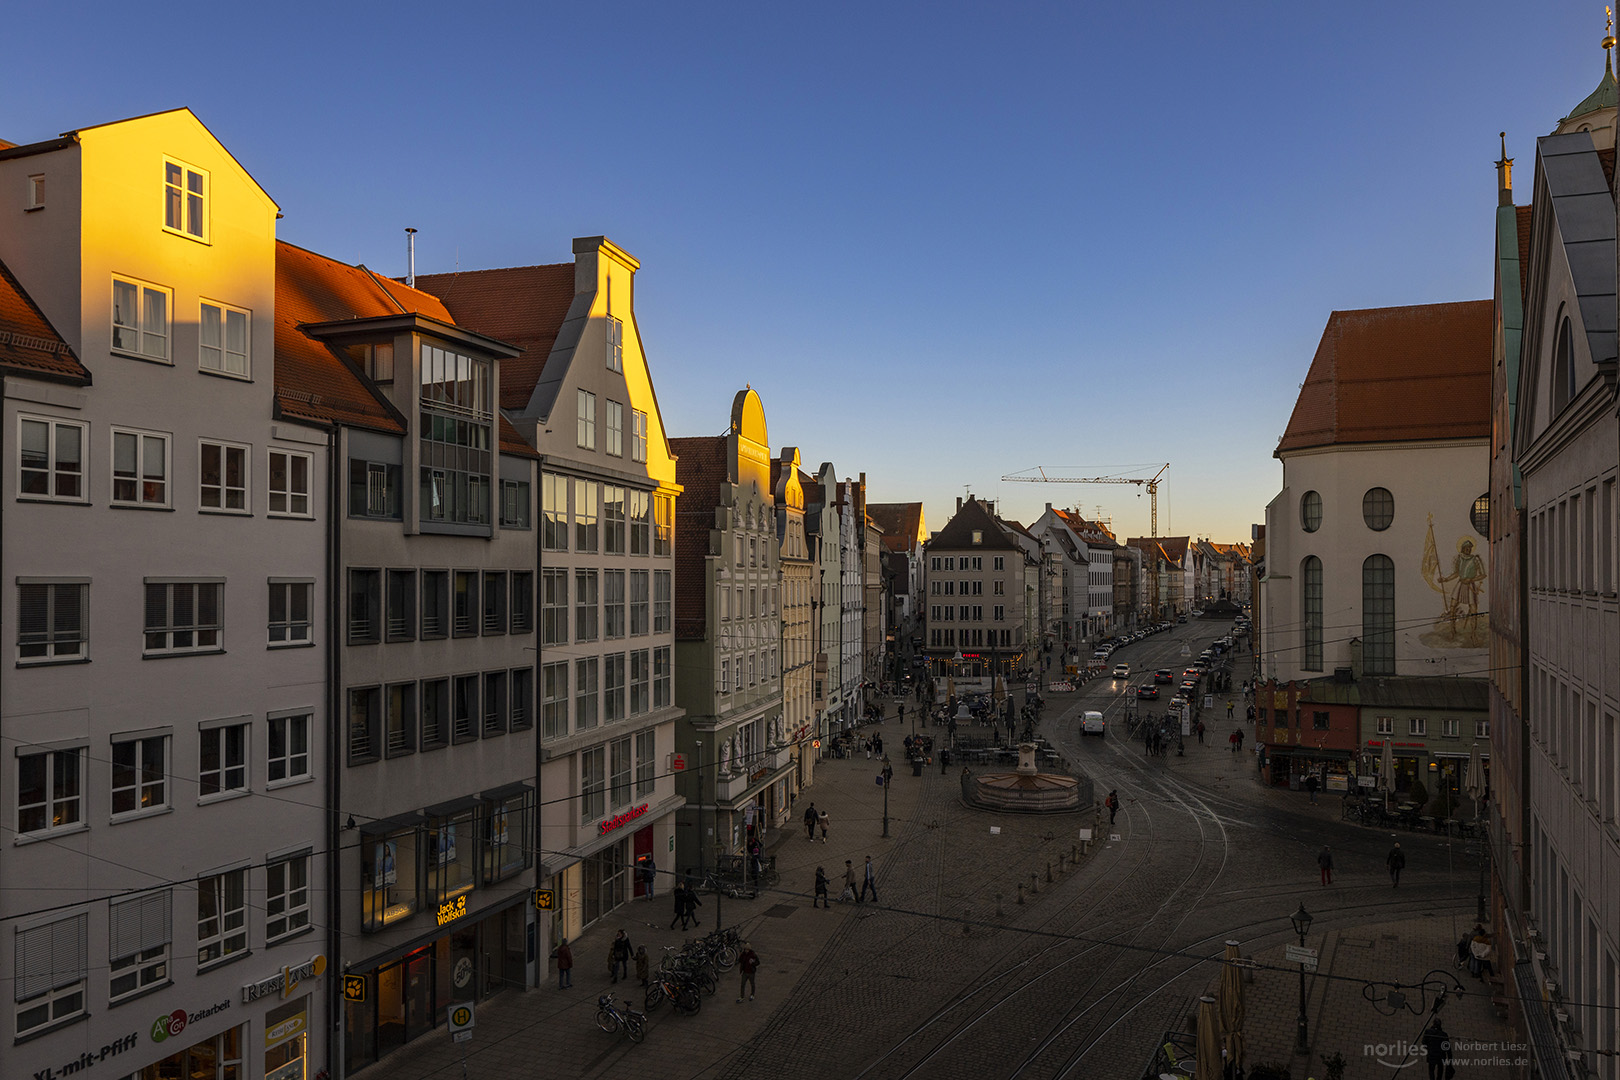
{"x":1063,"y":857}
{"x":999,"y":912}
{"x":1020,"y":892}
{"x":1074,"y":854}
{"x":1034,"y":883}
{"x":1049,"y":871}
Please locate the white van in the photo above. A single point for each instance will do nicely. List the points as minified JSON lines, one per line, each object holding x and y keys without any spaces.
{"x":1092,"y":723}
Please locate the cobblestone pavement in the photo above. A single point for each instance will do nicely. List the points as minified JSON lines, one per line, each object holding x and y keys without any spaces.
{"x":944,"y":978}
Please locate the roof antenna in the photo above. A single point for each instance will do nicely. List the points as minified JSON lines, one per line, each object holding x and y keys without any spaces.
{"x":410,"y":257}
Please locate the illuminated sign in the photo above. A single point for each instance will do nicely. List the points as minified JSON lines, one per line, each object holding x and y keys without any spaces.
{"x":451,"y":910}
{"x":285,"y":981}
{"x":165,"y":1027}
{"x":620,"y":820}
{"x":354,"y":988}
{"x":543,"y":899}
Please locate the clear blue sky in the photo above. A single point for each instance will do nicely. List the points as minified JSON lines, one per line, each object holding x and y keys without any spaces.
{"x":944,"y":241}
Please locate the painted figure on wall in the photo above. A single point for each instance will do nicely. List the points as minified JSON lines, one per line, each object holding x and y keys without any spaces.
{"x":1460,"y":624}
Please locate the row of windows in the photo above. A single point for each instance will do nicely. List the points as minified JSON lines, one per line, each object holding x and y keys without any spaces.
{"x":53,"y":968}
{"x":397,"y":719}
{"x":1450,"y":727}
{"x":143,"y":327}
{"x":969,"y":637}
{"x":1579,"y":735}
{"x":387,"y":605}
{"x":431,"y":859}
{"x":608,"y":604}
{"x":752,"y":669}
{"x":1377,"y":614}
{"x":1572,"y":542}
{"x":53,"y":617}
{"x":51,"y":784}
{"x":604,"y":689}
{"x":1378,"y":511}
{"x":616,"y":519}
{"x":54,"y":455}
{"x":964,"y":613}
{"x":967,"y":588}
{"x":609,"y":774}
{"x":965,"y":562}
{"x":375,"y":491}
{"x":613,"y":427}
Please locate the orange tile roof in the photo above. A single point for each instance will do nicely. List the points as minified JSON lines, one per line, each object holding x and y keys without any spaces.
{"x":29,"y":344}
{"x":1397,"y":374}
{"x":525,"y":305}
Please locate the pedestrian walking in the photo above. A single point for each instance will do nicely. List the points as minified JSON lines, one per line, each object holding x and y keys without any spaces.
{"x":820,"y":899}
{"x":877,"y":744}
{"x":1324,"y":859}
{"x":619,"y":955}
{"x":748,"y":962}
{"x":1396,"y":860}
{"x":641,"y":965}
{"x":1112,"y":802}
{"x":565,"y":964}
{"x":849,"y":882}
{"x":692,"y":904}
{"x":868,"y":749}
{"x":1200,"y":733}
{"x":1229,"y":710}
{"x":1437,"y":1050}
{"x":821,"y":819}
{"x":810,"y":823}
{"x":1239,"y":734}
{"x":868,"y":882}
{"x":1311,"y":785}
{"x":1232,"y":741}
{"x":678,"y":893}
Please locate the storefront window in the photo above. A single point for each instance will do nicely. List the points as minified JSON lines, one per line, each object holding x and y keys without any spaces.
{"x":217,"y":1058}
{"x":506,"y":835}
{"x":452,"y":865}
{"x":388,"y":875}
{"x":286,"y":1038}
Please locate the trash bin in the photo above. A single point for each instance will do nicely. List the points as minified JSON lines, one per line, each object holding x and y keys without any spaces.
{"x":916,"y":766}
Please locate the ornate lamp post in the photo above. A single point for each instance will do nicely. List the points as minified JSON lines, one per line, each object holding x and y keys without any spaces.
{"x":1302,"y":924}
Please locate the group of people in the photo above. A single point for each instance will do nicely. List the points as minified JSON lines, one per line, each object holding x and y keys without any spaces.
{"x":1395,"y":861}
{"x":686,"y":902}
{"x":813,"y":819}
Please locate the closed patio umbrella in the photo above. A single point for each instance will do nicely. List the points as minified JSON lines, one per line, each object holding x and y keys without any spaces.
{"x":1209,"y":1041}
{"x":1386,"y":769}
{"x":1474,"y":779}
{"x":1231,"y":1007}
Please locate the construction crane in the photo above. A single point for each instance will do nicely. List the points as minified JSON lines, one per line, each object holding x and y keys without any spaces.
{"x":1041,"y":476}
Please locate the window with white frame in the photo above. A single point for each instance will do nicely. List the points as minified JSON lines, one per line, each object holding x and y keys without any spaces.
{"x":640,"y":682}
{"x":640,"y":503}
{"x":289,"y":749}
{"x":184,"y":616}
{"x":640,"y":603}
{"x":140,"y":319}
{"x":613,"y":686}
{"x":554,"y":512}
{"x":1450,"y":727}
{"x":586,"y":694}
{"x":1482,"y":729}
{"x":646,"y":762}
{"x":585,"y":432}
{"x":553,"y":607}
{"x":515,"y":504}
{"x":185,"y":199}
{"x":286,"y":897}
{"x":662,"y":668}
{"x":554,"y":699}
{"x":613,"y":519}
{"x":52,"y":618}
{"x":289,"y":484}
{"x":663,"y":591}
{"x":587,"y":507}
{"x":613,"y":604}
{"x":458,"y":418}
{"x":36,"y":192}
{"x":222,"y":760}
{"x":1386,"y":725}
{"x":374,"y":489}
{"x":52,"y":960}
{"x":50,"y":791}
{"x":50,"y":459}
{"x":585,"y":605}
{"x":638,"y":435}
{"x":663,"y":524}
{"x":223,"y":339}
{"x":290,"y":606}
{"x":1417,"y":725}
{"x":615,"y":428}
{"x":615,"y":344}
{"x":593,"y":784}
{"x":140,"y":468}
{"x":222,"y":477}
{"x":139,"y":932}
{"x":140,"y":774}
{"x":622,"y":768}
{"x":221,"y":916}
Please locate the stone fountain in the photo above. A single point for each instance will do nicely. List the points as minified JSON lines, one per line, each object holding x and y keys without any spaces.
{"x":1025,"y":789}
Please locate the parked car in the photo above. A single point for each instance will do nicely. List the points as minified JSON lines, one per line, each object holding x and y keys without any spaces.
{"x":1181,"y":618}
{"x":1164,"y":675}
{"x":1092,"y":723}
{"x":1148,"y":690}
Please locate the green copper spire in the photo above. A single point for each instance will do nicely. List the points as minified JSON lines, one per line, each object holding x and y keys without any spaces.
{"x":1607,"y":94}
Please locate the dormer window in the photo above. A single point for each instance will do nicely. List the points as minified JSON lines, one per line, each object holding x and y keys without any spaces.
{"x":978,"y":536}
{"x":36,"y":192}
{"x":456,"y":435}
{"x":379,"y":363}
{"x":185,"y":199}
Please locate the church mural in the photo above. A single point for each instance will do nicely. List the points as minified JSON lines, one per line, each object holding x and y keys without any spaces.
{"x":1460,"y":624}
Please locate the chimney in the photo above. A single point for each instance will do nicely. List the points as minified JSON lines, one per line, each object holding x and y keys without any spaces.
{"x":410,"y":257}
{"x":1355,"y":658}
{"x":1049,"y":506}
{"x":959,"y":504}
{"x":1504,"y":177}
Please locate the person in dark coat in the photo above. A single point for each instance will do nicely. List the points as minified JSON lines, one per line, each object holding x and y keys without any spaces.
{"x":810,"y":822}
{"x":1437,"y":1049}
{"x":1311,"y":785}
{"x":1324,"y":859}
{"x":619,"y":956}
{"x":1396,"y":860}
{"x":690,"y":911}
{"x":679,"y":895}
{"x":1112,"y":802}
{"x":820,"y":899}
{"x":565,"y":965}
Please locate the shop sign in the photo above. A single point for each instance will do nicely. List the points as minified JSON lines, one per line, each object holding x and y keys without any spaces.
{"x":293,"y":1025}
{"x":166,"y":1027}
{"x":284,"y":982}
{"x":544,"y":899}
{"x":677,"y":763}
{"x":354,"y":988}
{"x":89,"y":1058}
{"x":620,"y":820}
{"x":451,"y":910}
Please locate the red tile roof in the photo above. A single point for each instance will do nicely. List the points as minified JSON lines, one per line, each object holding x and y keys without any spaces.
{"x":1397,"y":374}
{"x":900,"y":523}
{"x":524,"y":305}
{"x":29,"y":344}
{"x":700,"y":469}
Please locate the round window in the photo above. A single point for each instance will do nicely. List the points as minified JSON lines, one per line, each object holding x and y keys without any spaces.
{"x":1310,"y":511}
{"x":1378,"y":508}
{"x":1481,"y":515}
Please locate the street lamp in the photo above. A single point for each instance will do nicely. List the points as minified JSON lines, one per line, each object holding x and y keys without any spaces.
{"x":883,"y":779}
{"x":702,"y":864}
{"x":1302,"y":924}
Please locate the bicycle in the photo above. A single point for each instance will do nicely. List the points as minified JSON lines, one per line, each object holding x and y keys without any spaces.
{"x":610,"y":1018}
{"x":681,"y":990}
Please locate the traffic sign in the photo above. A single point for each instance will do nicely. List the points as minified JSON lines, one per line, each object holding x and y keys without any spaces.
{"x":354,"y":988}
{"x":461,"y":1020}
{"x":1296,"y":954}
{"x":543,"y":899}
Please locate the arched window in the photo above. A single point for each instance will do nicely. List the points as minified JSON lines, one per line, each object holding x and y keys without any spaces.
{"x":1563,"y":366}
{"x":1311,"y":621}
{"x":1378,"y":615}
{"x":1378,"y":508}
{"x":1480,"y":515}
{"x":1310,"y":511}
